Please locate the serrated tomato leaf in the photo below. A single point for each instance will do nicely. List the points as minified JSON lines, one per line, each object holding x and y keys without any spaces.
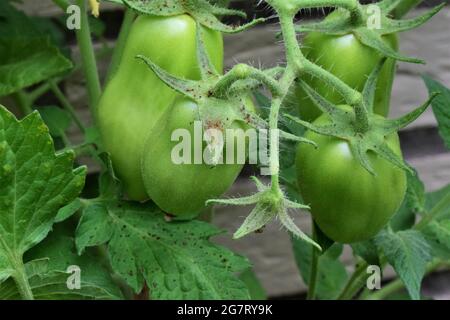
{"x":35,"y":184}
{"x":57,"y":120}
{"x":408,"y":252}
{"x":59,"y":252}
{"x":440,"y":107}
{"x":27,"y":61}
{"x":175,"y":259}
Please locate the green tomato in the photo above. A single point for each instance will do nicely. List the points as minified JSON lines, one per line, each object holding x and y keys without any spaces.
{"x":348,"y":203}
{"x":135,"y":99}
{"x":182,"y":189}
{"x":352,"y":62}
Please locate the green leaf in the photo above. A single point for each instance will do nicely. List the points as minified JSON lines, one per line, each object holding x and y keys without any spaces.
{"x":67,"y":211}
{"x":433,"y":198}
{"x":92,"y":136}
{"x":56,"y":119}
{"x":36,"y":183}
{"x":408,"y":252}
{"x":56,"y":254}
{"x":368,"y":251}
{"x":438,"y":236}
{"x":176,"y":259}
{"x":253,"y":284}
{"x":14,"y":23}
{"x":27,"y":61}
{"x":109,"y":185}
{"x":28,"y":55}
{"x":332,"y":275}
{"x":440,"y":107}
{"x":414,"y":202}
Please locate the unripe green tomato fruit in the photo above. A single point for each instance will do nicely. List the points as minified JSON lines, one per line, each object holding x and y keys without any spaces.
{"x":347,"y":202}
{"x":135,"y":99}
{"x":183,"y":189}
{"x":352,"y":62}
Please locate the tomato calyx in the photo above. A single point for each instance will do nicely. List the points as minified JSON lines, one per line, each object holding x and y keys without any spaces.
{"x":269,"y":203}
{"x":202,"y":11}
{"x":221,"y":98}
{"x":372,"y":136}
{"x":374,"y":23}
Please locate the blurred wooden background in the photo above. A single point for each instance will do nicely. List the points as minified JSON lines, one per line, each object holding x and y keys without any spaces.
{"x":270,"y":251}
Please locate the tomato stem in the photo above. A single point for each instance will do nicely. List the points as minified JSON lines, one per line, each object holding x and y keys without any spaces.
{"x":354,"y":284}
{"x":66,"y":104}
{"x":89,"y":62}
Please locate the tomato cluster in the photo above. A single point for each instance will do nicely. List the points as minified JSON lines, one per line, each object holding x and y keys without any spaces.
{"x":136,"y":124}
{"x":347,"y":202}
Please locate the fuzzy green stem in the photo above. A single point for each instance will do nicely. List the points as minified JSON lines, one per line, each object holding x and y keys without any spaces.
{"x":286,"y":81}
{"x":89,"y":62}
{"x":66,"y":104}
{"x":350,"y":5}
{"x":362,"y":118}
{"x":293,"y":6}
{"x":120,"y":43}
{"x":355,"y":282}
{"x":294,"y":54}
{"x":350,"y":95}
{"x":243,"y":71}
{"x":21,"y":281}
{"x":314,"y":270}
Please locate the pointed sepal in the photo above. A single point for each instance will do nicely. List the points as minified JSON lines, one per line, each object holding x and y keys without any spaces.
{"x":293,"y":137}
{"x":394,"y":26}
{"x":393,"y":125}
{"x":207,"y":68}
{"x":371,"y":86}
{"x":289,"y":224}
{"x":189,"y":88}
{"x":201,"y":10}
{"x":372,"y":39}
